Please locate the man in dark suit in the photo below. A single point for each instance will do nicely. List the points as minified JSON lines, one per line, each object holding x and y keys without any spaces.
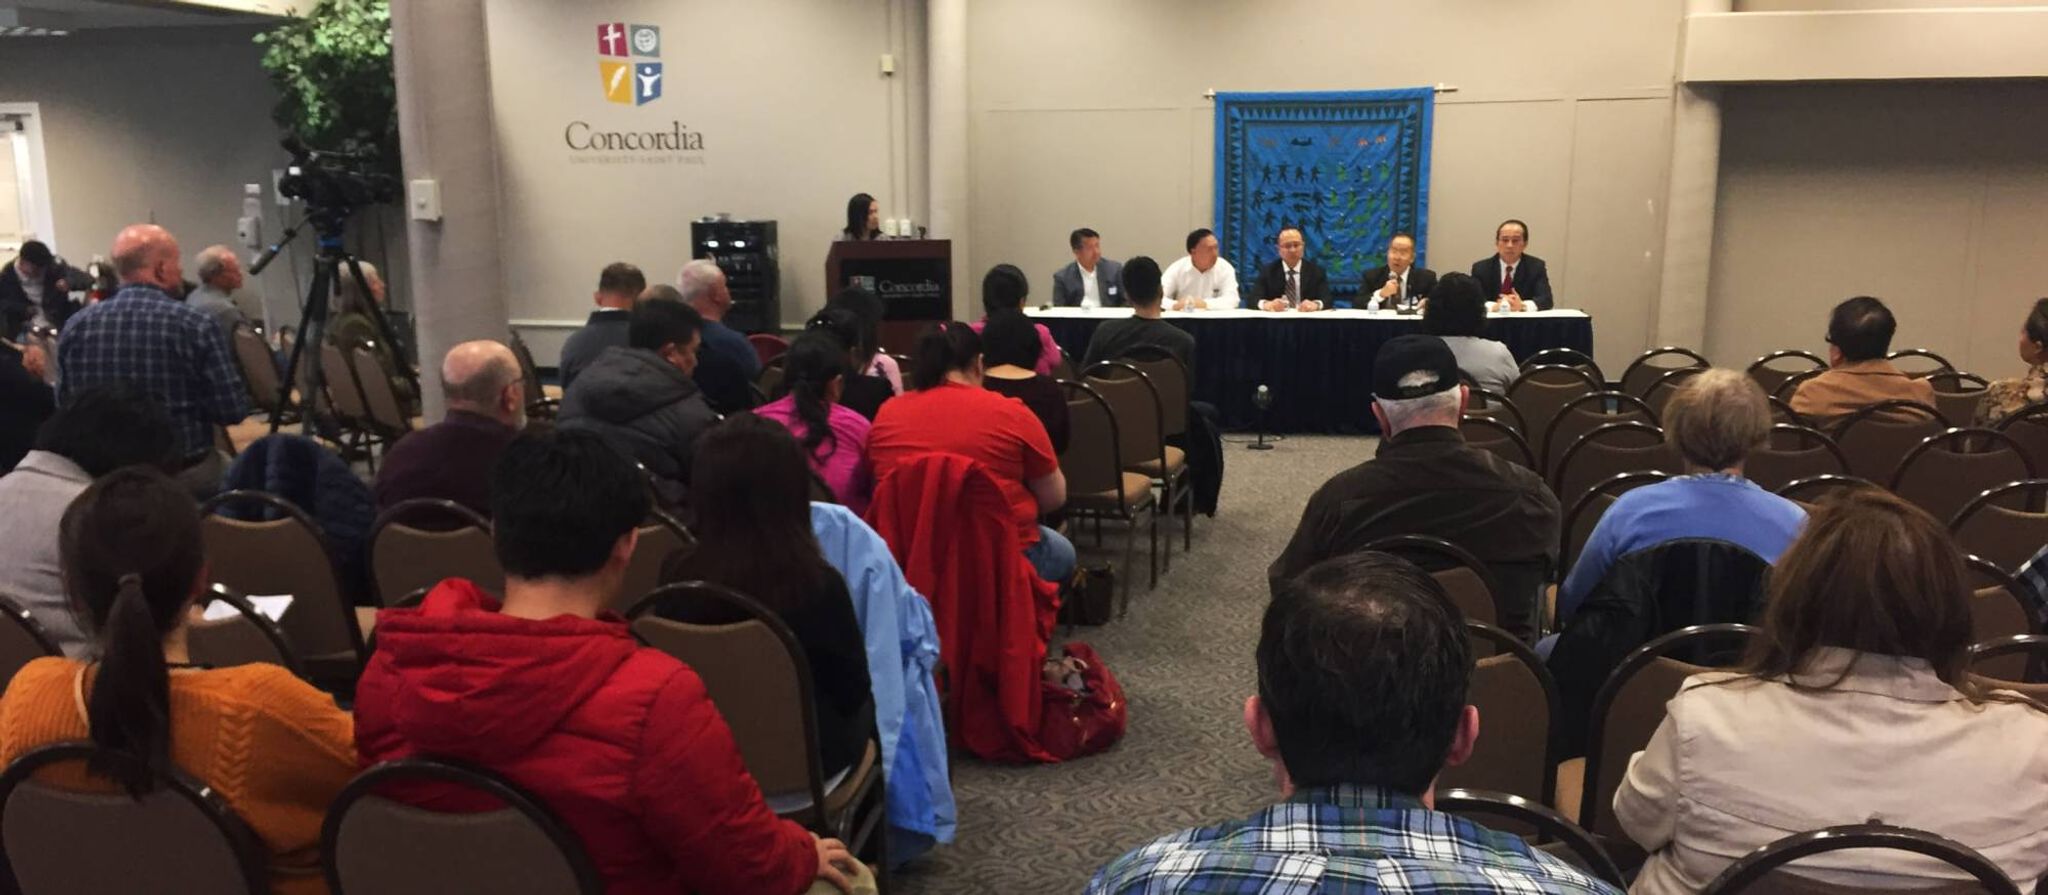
{"x":1520,"y":282}
{"x":1292,"y":281}
{"x":1090,"y":281}
{"x":1397,"y":283}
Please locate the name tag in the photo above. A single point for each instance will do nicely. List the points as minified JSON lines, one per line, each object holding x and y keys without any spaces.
{"x":1112,"y":290}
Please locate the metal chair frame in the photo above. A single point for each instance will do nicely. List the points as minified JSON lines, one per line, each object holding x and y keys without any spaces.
{"x":406,"y":508}
{"x":1644,"y":359}
{"x":1752,"y":868}
{"x":1548,"y":823}
{"x":1125,"y":512}
{"x":1603,"y":702}
{"x":1626,"y":481}
{"x":1507,"y":432}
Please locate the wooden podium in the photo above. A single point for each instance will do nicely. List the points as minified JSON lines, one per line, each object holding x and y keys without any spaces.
{"x":913,"y":277}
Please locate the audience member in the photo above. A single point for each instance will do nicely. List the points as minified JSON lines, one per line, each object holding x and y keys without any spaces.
{"x":1115,"y":338}
{"x":37,"y":285}
{"x":869,"y":359}
{"x":1426,"y":480}
{"x":814,"y":374}
{"x":1008,"y":348}
{"x":729,"y":364}
{"x":25,"y":400}
{"x":1858,"y":376}
{"x":1004,"y":289}
{"x":864,"y":393}
{"x":949,"y":411}
{"x":452,"y":459}
{"x":220,"y":274}
{"x":1456,"y":313}
{"x":641,"y":397}
{"x":618,"y":286}
{"x":99,"y":430}
{"x":1714,"y":421}
{"x":176,"y":354}
{"x":753,"y":528}
{"x":1090,"y":280}
{"x":2009,"y":396}
{"x":1363,"y":670}
{"x":277,"y":750}
{"x":550,"y":690}
{"x":351,"y":326}
{"x":1855,"y":705}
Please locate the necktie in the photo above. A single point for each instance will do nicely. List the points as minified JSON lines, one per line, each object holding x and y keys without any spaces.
{"x":1507,"y":279}
{"x":1401,"y":294}
{"x":1293,"y":289}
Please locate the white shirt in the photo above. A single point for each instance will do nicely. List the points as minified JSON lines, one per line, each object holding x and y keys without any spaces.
{"x":1218,"y":285}
{"x":1091,"y":291}
{"x":1374,"y":303}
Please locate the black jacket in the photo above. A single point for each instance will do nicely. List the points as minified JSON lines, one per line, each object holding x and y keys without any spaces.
{"x":25,"y":402}
{"x":58,"y":281}
{"x":1420,"y":281}
{"x":646,"y":408}
{"x":1272,"y":282}
{"x":1532,"y":279}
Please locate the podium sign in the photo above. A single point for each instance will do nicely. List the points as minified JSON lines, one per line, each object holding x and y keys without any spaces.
{"x":913,"y":277}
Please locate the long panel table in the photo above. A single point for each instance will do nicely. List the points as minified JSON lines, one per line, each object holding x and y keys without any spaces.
{"x":1317,"y":366}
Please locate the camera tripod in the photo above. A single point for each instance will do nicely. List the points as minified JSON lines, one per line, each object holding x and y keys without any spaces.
{"x":332,"y":255}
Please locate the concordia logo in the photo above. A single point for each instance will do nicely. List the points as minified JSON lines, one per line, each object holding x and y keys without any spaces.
{"x":623,"y":67}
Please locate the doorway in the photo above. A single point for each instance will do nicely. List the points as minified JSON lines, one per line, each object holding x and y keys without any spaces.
{"x":24,"y":179}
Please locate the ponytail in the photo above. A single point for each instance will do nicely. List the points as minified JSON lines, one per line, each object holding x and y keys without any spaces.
{"x":813,"y":362}
{"x":941,"y":349}
{"x":139,"y":522}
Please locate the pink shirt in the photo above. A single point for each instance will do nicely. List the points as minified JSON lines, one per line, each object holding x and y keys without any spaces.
{"x":1048,"y":350}
{"x":842,"y":460}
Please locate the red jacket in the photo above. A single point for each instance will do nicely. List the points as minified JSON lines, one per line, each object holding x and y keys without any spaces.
{"x":620,"y":740}
{"x":949,"y":527}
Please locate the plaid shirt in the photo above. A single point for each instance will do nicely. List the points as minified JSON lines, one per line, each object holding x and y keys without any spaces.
{"x":143,"y":336}
{"x":1344,"y":839}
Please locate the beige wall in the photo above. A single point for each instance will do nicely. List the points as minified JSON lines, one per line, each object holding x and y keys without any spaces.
{"x":1928,"y":196}
{"x":1092,"y":114}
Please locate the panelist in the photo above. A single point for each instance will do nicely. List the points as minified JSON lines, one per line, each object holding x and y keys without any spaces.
{"x":1090,"y":280}
{"x":1201,"y":280}
{"x":863,"y":218}
{"x":1519,"y":282}
{"x":1292,"y":281}
{"x":1397,"y":284}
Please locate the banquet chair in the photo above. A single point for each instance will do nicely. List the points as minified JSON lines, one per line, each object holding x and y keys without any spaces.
{"x":1764,"y":870}
{"x":1919,"y":363}
{"x":1653,"y":364}
{"x":2003,"y":524}
{"x":1943,"y":472}
{"x":1608,"y":451}
{"x":1495,"y":406}
{"x":1666,"y":386}
{"x":247,"y":637}
{"x":1790,"y":453}
{"x":371,"y":844}
{"x":1540,"y":392}
{"x":1495,"y":437}
{"x":1098,"y":485}
{"x":1566,"y":357}
{"x":2014,"y":662}
{"x":1529,"y":817}
{"x":1791,"y":385}
{"x":1958,"y":394}
{"x":2029,"y":427}
{"x":1584,"y":515}
{"x":1142,"y":415}
{"x":539,"y":404}
{"x":417,"y":543}
{"x":1877,"y":437}
{"x":1811,"y":490}
{"x":1173,"y":385}
{"x":1518,"y":701}
{"x":1771,"y":370}
{"x":1585,"y":413}
{"x":1467,"y":581}
{"x":661,"y":537}
{"x":283,"y":551}
{"x":22,"y":640}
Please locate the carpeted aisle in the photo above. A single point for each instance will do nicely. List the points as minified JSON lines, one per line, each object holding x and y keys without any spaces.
{"x":1184,"y":655}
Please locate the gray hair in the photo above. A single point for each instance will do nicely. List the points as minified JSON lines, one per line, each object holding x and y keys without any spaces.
{"x":348,"y":296}
{"x":212,"y":260}
{"x":1440,"y":409}
{"x":696,"y":279}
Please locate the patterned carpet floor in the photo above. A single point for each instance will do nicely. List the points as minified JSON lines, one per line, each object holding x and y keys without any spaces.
{"x":1184,"y":655}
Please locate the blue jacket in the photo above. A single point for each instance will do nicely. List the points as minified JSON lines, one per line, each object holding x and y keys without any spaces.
{"x":1720,"y":507}
{"x":903,"y":650}
{"x":318,"y":481}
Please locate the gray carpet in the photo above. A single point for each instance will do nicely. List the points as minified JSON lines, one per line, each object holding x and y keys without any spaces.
{"x":1184,"y":655}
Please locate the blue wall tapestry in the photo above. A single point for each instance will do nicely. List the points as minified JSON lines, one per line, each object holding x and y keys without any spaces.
{"x":1351,"y":168}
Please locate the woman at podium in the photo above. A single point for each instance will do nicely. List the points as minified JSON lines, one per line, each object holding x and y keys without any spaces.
{"x":863,"y":218}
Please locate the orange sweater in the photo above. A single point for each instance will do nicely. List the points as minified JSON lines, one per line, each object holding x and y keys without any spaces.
{"x":274,"y":747}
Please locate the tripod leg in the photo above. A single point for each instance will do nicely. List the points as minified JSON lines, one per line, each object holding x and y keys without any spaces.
{"x":312,"y":314}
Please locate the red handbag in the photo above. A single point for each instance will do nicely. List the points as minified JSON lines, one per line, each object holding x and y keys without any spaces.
{"x":1085,"y":713}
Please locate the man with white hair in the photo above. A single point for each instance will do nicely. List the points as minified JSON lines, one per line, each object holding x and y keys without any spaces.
{"x":728,"y":364}
{"x":1426,"y":480}
{"x":452,"y":459}
{"x":220,"y":274}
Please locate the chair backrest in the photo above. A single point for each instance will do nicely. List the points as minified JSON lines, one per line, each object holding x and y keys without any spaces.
{"x":1771,"y":370}
{"x":1877,"y":437}
{"x":246,"y":638}
{"x":770,"y":380}
{"x":1666,"y":386}
{"x":1496,"y":406}
{"x":22,"y":640}
{"x":1170,"y":377}
{"x":768,"y":346}
{"x":660,"y":538}
{"x":1466,"y":580}
{"x":1811,"y":490}
{"x":1565,"y":357}
{"x":2013,"y":662}
{"x":1584,"y":515}
{"x":1136,"y":405}
{"x":1630,"y":706}
{"x":1519,"y":703}
{"x":1791,"y":385}
{"x":343,"y":389}
{"x":183,"y":832}
{"x":1540,"y":392}
{"x":755,"y":671}
{"x":1919,"y":363}
{"x":1653,"y":364}
{"x":1783,"y":414}
{"x":1958,"y":394}
{"x":2029,"y":427}
{"x":1945,"y":471}
{"x":1499,"y":810}
{"x":406,"y":555}
{"x":1092,"y":462}
{"x":1064,"y":370}
{"x":1585,"y":413}
{"x":1999,"y":524}
{"x":386,"y":412}
{"x":1608,"y":451}
{"x":282,"y":552}
{"x":1764,"y":870}
{"x":1998,"y":612}
{"x":259,"y":367}
{"x":1790,"y":453}
{"x":377,"y":845}
{"x":536,"y":398}
{"x":1493,"y":436}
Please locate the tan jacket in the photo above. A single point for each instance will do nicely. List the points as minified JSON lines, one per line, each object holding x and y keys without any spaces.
{"x":1828,"y":398}
{"x":1738,"y":765}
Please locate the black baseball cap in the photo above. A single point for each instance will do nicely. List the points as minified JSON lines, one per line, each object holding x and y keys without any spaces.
{"x":1413,"y":366}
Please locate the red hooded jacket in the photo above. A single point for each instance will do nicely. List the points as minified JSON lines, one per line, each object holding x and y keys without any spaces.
{"x":620,"y":740}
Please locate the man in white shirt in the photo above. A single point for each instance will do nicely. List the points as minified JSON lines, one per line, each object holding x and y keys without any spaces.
{"x":1090,"y":281}
{"x":1202,"y":280}
{"x":1398,"y":283}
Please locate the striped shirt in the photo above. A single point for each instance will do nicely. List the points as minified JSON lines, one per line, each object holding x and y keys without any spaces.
{"x":175,"y":353}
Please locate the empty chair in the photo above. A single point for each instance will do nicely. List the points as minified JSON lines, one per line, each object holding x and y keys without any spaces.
{"x":2004,"y":524}
{"x":1919,"y":363}
{"x":22,"y":640}
{"x":1145,"y":418}
{"x":1171,"y":382}
{"x":539,"y":404}
{"x":2029,"y":427}
{"x":416,"y":543}
{"x":1465,"y":579}
{"x":1946,"y":471}
{"x":1783,"y":414}
{"x":386,"y":411}
{"x":1998,"y":613}
{"x":245,"y":638}
{"x":1565,"y":357}
{"x":1958,"y":395}
{"x":1666,"y":385}
{"x":1540,"y":392}
{"x":1584,"y":516}
{"x":259,"y":369}
{"x":375,"y":845}
{"x":1771,"y":370}
{"x":284,"y":553}
{"x":1585,"y":413}
{"x":1504,"y":811}
{"x":1608,"y":451}
{"x":1098,"y":484}
{"x":1877,"y":437}
{"x":345,"y":397}
{"x":1813,"y":489}
{"x":1496,"y":406}
{"x":1790,"y":453}
{"x":1764,"y":870}
{"x":1653,"y":364}
{"x":1500,"y":439}
{"x":1511,"y":687}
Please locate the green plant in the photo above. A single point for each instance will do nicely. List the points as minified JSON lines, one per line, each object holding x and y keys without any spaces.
{"x":332,"y":71}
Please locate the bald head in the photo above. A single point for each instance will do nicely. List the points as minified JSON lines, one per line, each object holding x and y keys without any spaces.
{"x":477,"y":377}
{"x":703,"y":286}
{"x":148,"y":254}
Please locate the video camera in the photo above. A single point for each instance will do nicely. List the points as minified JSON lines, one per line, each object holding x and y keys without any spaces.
{"x":331,"y":181}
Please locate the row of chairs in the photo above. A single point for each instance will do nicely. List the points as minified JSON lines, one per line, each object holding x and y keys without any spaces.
{"x":358,"y":396}
{"x":1117,"y":462}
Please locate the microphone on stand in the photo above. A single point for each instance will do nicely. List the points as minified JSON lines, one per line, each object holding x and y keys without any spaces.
{"x":1263,"y":400}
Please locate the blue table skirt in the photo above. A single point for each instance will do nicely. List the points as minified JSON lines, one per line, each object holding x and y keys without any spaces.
{"x":1318,"y":369}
